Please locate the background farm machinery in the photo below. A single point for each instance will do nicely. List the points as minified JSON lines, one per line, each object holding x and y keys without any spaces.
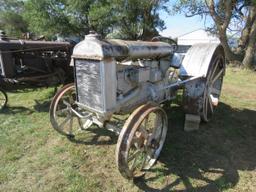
{"x":33,"y":63}
{"x":134,"y":78}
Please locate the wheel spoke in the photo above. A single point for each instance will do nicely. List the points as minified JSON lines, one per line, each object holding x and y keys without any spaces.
{"x":158,"y":128}
{"x":206,"y":104}
{"x":135,"y":142}
{"x":145,"y":157}
{"x":65,"y":121}
{"x":70,"y":125}
{"x":134,"y":163}
{"x":215,"y":91}
{"x":214,"y":70}
{"x":146,"y":122}
{"x":61,"y":111}
{"x":66,"y":103}
{"x":217,"y":76}
{"x":131,"y":157}
{"x":71,"y":100}
{"x":144,"y":131}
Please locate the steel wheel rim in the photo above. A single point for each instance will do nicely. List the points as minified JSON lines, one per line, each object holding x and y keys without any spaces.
{"x":148,"y":152}
{"x":3,"y":99}
{"x":213,"y":87}
{"x":56,"y":112}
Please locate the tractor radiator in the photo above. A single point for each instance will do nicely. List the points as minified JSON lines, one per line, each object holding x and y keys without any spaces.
{"x":89,"y":84}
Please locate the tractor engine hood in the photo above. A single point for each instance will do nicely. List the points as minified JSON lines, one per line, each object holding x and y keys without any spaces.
{"x":92,"y":47}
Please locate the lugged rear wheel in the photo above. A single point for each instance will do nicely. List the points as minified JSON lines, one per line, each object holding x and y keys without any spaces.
{"x":201,"y":96}
{"x":213,"y":86}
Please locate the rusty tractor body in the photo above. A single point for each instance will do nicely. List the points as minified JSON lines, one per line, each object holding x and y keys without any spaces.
{"x":33,"y":63}
{"x":116,"y":77}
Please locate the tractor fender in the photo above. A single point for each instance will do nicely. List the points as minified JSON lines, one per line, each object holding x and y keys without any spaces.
{"x":197,"y":60}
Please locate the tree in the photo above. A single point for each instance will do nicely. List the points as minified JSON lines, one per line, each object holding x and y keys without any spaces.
{"x":226,"y":13}
{"x":128,"y":19}
{"x":11,"y":20}
{"x":63,"y":17}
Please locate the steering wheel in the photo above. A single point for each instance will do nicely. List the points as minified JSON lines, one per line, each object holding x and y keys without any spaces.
{"x":166,"y":40}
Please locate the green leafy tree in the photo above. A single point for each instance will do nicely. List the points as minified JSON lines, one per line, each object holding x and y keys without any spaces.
{"x":128,"y":19}
{"x":47,"y":17}
{"x":11,"y":20}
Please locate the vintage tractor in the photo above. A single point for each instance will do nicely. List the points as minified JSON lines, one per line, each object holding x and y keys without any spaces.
{"x":32,"y":63}
{"x":133,"y":78}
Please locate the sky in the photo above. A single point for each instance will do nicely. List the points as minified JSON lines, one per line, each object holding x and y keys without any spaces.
{"x":178,"y":25}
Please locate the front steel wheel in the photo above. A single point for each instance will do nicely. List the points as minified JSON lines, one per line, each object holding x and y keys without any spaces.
{"x":61,"y":115}
{"x":141,"y":140}
{"x":64,"y":112}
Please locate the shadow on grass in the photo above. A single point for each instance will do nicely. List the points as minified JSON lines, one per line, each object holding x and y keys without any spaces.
{"x":42,"y":105}
{"x":98,"y":136}
{"x":16,"y":110}
{"x":208,"y":159}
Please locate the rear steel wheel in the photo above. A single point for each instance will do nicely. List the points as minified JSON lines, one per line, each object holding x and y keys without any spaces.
{"x":213,"y":87}
{"x":201,"y":96}
{"x":3,"y":99}
{"x":62,"y":112}
{"x":141,"y":140}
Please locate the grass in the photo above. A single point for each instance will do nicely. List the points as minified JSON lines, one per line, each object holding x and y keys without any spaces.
{"x":221,"y":156}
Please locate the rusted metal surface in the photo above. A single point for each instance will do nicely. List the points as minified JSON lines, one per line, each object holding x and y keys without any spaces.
{"x":33,"y":60}
{"x":201,"y":96}
{"x":193,"y":96}
{"x":94,"y":48}
{"x":61,"y":115}
{"x":136,"y":134}
{"x":114,"y":77}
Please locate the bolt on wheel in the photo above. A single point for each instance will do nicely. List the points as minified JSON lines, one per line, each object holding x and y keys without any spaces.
{"x":213,"y":86}
{"x":141,"y":140}
{"x":62,"y":112}
{"x":3,"y":99}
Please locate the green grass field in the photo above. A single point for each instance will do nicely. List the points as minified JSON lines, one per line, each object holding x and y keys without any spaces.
{"x":221,"y":156}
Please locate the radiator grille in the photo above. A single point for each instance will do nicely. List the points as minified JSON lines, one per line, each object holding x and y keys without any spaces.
{"x":88,"y":83}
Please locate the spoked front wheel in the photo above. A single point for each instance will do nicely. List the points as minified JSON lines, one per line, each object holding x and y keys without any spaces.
{"x":64,"y":112}
{"x":3,"y":99}
{"x":141,"y":140}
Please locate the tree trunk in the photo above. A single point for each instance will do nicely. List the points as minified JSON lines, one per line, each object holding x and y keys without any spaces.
{"x":250,"y":50}
{"x":222,"y":25}
{"x":245,"y":35}
{"x":230,"y":55}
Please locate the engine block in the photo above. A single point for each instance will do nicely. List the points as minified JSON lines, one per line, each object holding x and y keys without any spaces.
{"x":116,"y":76}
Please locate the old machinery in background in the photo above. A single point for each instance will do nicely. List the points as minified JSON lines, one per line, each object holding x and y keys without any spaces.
{"x":36,"y":63}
